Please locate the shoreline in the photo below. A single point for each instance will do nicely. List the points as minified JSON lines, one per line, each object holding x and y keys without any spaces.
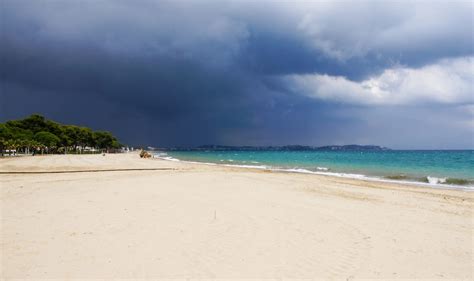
{"x":466,"y":188}
{"x":349,"y":176}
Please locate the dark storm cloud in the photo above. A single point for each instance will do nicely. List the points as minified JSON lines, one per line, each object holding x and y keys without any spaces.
{"x":187,"y":73}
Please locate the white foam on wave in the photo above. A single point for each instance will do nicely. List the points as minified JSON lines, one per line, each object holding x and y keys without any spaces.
{"x":435,"y":180}
{"x":246,"y":166}
{"x":305,"y":171}
{"x":294,"y":170}
{"x":170,"y":159}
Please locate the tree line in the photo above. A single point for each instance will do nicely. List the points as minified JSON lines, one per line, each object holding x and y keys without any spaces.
{"x":35,"y":134}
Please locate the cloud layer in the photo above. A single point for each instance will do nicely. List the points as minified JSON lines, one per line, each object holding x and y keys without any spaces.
{"x":195,"y":72}
{"x":449,"y":81}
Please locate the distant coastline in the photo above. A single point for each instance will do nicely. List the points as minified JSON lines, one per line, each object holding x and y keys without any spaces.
{"x":350,"y":147}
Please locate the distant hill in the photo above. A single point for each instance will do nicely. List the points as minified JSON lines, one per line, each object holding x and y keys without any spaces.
{"x":351,"y":147}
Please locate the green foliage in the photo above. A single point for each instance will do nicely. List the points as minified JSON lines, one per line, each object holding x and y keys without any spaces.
{"x":47,"y":139}
{"x":105,"y":140}
{"x":37,"y":133}
{"x":8,"y":132}
{"x":34,"y":123}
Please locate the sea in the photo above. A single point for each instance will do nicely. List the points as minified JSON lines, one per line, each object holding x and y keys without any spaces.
{"x":441,"y":168}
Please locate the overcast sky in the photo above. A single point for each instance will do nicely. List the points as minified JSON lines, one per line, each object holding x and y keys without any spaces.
{"x":183,"y":73}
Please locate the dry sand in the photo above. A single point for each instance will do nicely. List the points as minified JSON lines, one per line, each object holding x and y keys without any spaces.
{"x":201,"y":221}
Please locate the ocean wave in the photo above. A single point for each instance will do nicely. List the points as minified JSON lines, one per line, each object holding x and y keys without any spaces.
{"x":246,"y":166}
{"x":170,"y":159}
{"x":456,"y":181}
{"x":429,"y":181}
{"x":295,"y":170}
{"x":306,"y":171}
{"x":435,"y":180}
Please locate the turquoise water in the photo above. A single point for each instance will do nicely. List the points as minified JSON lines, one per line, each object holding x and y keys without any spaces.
{"x":441,"y":166}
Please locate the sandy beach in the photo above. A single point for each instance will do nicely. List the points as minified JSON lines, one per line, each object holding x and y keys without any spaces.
{"x":119,"y":216}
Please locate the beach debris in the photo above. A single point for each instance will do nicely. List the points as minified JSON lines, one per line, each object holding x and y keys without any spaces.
{"x":144,"y":154}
